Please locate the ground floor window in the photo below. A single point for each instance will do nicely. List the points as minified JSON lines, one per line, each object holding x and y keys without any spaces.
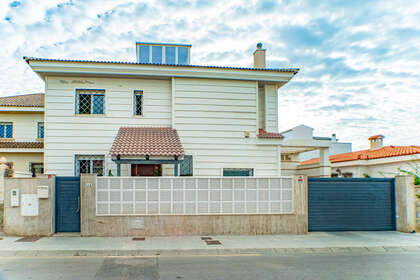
{"x":186,"y":166}
{"x":238,"y":171}
{"x":90,"y":164}
{"x":36,"y":168}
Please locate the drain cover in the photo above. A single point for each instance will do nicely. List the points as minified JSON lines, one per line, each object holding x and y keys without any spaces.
{"x":213,"y":242}
{"x":28,"y":239}
{"x":139,"y":238}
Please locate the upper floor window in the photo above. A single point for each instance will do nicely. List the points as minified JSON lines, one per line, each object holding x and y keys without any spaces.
{"x":170,"y":55}
{"x":90,"y":101}
{"x":182,"y":55}
{"x":163,"y":53}
{"x":138,"y":102}
{"x":157,"y":54}
{"x":40,"y":130}
{"x":6,"y":130}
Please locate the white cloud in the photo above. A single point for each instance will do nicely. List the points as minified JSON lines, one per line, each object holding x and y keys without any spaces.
{"x":348,"y":56}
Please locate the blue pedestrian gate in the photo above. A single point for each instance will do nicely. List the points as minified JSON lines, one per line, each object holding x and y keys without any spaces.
{"x":67,"y":204}
{"x":351,"y":204}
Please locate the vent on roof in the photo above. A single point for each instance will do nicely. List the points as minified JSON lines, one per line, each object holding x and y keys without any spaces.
{"x":158,"y":53}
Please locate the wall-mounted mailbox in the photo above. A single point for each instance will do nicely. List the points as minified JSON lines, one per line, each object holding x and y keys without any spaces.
{"x":30,"y":205}
{"x":14,"y":197}
{"x":42,"y":191}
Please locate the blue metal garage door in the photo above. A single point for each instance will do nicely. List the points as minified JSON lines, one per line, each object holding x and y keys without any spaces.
{"x":346,"y":204}
{"x":67,"y":204}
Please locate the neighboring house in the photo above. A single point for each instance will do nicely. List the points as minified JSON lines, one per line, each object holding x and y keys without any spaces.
{"x":162,"y":116}
{"x":377,"y":161}
{"x":22,"y":134}
{"x":335,"y":148}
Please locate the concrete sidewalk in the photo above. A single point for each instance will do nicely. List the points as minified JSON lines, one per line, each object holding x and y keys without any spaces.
{"x":317,"y":242}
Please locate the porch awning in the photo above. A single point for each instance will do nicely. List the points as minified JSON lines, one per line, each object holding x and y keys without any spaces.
{"x":147,"y":141}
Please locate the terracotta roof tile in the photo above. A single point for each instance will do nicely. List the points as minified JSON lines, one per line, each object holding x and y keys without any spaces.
{"x":22,"y":145}
{"x":384,"y":152}
{"x":376,"y":137}
{"x":310,"y":161}
{"x":269,"y":135}
{"x":26,"y":100}
{"x":142,"y":141}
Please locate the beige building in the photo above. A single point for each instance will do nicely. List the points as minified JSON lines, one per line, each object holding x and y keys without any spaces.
{"x":22,"y":134}
{"x":377,"y":161}
{"x":226,"y":118}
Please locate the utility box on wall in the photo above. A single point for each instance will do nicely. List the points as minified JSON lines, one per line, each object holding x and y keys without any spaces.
{"x":30,"y":205}
{"x":14,"y":197}
{"x":42,"y":191}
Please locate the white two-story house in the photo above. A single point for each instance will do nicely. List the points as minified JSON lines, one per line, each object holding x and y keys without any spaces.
{"x":161,"y":115}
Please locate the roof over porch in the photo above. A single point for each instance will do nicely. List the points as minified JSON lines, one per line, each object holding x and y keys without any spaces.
{"x":147,"y":141}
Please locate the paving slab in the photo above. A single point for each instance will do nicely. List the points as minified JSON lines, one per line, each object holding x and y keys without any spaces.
{"x":325,"y":242}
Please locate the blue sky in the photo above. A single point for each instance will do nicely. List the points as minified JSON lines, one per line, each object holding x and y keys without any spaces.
{"x":359,"y":60}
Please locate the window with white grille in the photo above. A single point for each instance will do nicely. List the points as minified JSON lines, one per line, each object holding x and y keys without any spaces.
{"x":90,"y":101}
{"x":138,"y":102}
{"x":90,"y":164}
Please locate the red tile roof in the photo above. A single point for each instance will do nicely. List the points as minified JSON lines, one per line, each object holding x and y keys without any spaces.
{"x":310,"y":161}
{"x":384,"y":152}
{"x":21,"y":145}
{"x":269,"y":135}
{"x":26,"y":100}
{"x":142,"y":141}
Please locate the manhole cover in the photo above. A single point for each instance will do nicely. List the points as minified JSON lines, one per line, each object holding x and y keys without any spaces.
{"x":213,"y":242}
{"x":139,"y":238}
{"x":28,"y":239}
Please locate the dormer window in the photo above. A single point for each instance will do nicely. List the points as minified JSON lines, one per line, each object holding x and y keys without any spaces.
{"x":157,"y":53}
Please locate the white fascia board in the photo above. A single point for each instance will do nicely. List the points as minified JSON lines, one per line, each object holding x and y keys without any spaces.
{"x":15,"y":150}
{"x":296,"y":143}
{"x":21,"y":109}
{"x":306,"y":143}
{"x":46,"y":68}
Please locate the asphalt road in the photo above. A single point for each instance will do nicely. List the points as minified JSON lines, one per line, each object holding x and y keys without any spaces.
{"x":289,"y":266}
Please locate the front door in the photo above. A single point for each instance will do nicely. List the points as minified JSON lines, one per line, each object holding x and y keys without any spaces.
{"x":146,"y":170}
{"x":67,"y":204}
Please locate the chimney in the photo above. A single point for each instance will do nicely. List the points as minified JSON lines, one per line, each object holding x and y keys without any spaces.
{"x":376,"y":141}
{"x":259,"y":57}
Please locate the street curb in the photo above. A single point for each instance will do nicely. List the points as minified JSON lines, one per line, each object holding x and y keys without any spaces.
{"x":205,"y":252}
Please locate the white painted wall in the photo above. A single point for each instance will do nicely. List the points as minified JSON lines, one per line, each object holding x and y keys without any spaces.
{"x":270,"y":101}
{"x":335,"y":149}
{"x":25,"y":129}
{"x":25,"y":124}
{"x":385,"y":167}
{"x":68,"y":134}
{"x":211,"y":117}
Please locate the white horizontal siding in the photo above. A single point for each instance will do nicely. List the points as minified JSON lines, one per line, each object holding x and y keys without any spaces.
{"x":211,"y":117}
{"x":271,"y":108}
{"x":68,"y":134}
